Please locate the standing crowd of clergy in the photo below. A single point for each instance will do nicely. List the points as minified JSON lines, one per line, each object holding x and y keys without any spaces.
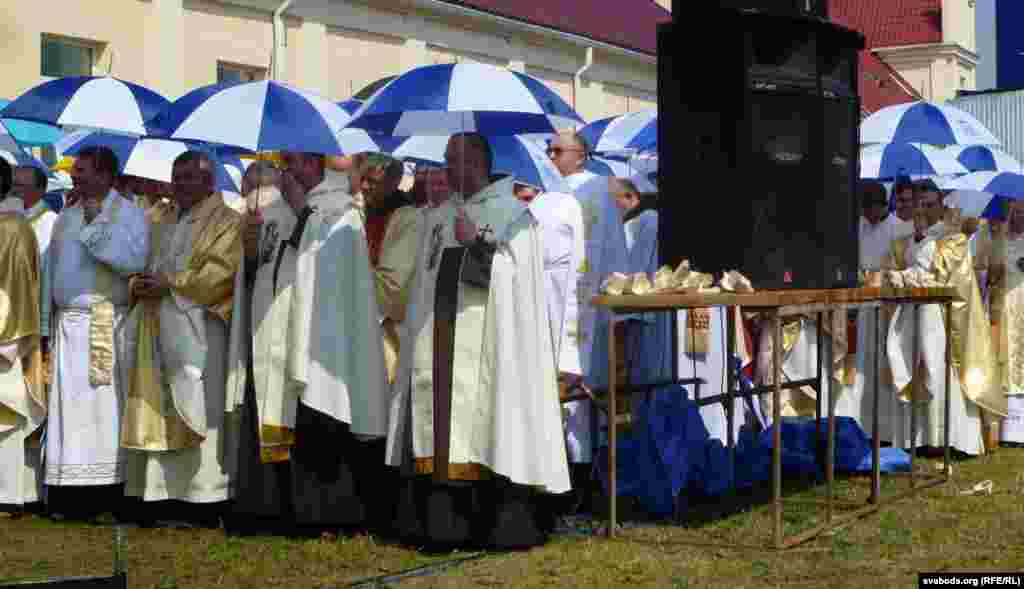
{"x":330,"y":352}
{"x":327,"y":353}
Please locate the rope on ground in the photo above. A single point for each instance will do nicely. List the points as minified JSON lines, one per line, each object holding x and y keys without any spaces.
{"x":420,"y":571}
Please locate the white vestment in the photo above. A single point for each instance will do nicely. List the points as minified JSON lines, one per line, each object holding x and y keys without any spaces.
{"x":83,"y":426}
{"x":43,"y":220}
{"x":964,"y":419}
{"x":1012,"y":342}
{"x":606,"y":253}
{"x":266,"y":320}
{"x":504,"y":398}
{"x":560,"y":220}
{"x":193,"y":350}
{"x":335,"y":359}
{"x":857,"y":400}
{"x":20,"y":475}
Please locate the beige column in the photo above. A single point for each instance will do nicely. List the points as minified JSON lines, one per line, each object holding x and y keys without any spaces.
{"x":165,"y":48}
{"x":312,"y":71}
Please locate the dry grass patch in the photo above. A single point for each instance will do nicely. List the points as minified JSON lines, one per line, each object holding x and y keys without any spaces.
{"x":939,"y":530}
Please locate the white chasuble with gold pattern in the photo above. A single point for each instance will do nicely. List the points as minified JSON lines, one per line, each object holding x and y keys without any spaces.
{"x":480,"y":343}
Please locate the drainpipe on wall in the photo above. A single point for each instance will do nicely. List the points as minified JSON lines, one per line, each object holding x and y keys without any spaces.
{"x":280,"y":42}
{"x":578,"y":77}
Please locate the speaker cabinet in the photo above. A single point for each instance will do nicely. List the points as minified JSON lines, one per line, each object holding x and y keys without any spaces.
{"x":816,"y":8}
{"x":758,"y":147}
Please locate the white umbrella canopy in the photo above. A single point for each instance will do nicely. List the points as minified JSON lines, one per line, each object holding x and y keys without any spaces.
{"x":99,"y":103}
{"x":464,"y":97}
{"x":925,"y":122}
{"x":255,"y":116}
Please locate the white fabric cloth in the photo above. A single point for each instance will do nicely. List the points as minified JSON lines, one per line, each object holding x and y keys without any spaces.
{"x":800,"y":363}
{"x":560,"y":220}
{"x":1013,"y":426}
{"x":335,"y":348}
{"x":711,"y":368}
{"x":43,"y":220}
{"x":192,"y":347}
{"x":83,"y":425}
{"x":876,"y":240}
{"x":1013,"y":306}
{"x":606,"y":253}
{"x":505,"y":408}
{"x":265,"y":321}
{"x":964,"y":418}
{"x":20,"y":472}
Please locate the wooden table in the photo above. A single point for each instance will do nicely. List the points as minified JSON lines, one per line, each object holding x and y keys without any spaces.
{"x":773,"y":306}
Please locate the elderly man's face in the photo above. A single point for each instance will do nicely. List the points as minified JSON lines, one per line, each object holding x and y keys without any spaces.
{"x":1016,"y":217}
{"x":303,"y":167}
{"x":88,"y":180}
{"x":626,"y":200}
{"x":930,"y":203}
{"x":192,"y":182}
{"x":905,"y":204}
{"x":437,"y":186}
{"x":566,"y":154}
{"x":377,"y":187}
{"x":466,"y":164}
{"x":25,"y":187}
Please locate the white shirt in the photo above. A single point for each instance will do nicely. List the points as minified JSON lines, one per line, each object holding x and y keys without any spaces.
{"x":876,"y":240}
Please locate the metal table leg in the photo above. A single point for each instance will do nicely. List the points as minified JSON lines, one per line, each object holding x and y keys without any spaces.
{"x":612,"y":434}
{"x":914,"y":383}
{"x":830,"y":444}
{"x":876,"y":435}
{"x":776,"y":322}
{"x":949,"y":374}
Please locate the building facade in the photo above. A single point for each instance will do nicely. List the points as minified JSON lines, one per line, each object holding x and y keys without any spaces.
{"x":336,"y":47}
{"x":916,"y":49}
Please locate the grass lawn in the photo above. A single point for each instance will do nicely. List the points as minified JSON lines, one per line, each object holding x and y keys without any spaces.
{"x":940,"y":530}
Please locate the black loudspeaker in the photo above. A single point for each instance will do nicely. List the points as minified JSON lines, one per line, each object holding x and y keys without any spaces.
{"x":817,"y":8}
{"x":758,"y":146}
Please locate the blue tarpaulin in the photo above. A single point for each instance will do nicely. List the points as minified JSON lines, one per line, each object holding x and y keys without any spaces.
{"x":669,"y":453}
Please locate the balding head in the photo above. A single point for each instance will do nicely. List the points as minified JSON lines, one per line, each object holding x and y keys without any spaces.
{"x":568,"y":151}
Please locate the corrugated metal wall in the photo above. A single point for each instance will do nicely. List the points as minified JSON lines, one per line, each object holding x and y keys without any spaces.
{"x":1002,"y":113}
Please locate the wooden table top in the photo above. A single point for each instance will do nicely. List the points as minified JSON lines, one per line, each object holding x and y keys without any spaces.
{"x":776,"y":299}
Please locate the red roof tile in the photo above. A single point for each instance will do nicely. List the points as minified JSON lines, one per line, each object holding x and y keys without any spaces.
{"x":880,"y":85}
{"x":888,"y":23}
{"x":631,"y":24}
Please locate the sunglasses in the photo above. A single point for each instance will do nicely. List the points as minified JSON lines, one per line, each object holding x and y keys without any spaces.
{"x":560,"y":150}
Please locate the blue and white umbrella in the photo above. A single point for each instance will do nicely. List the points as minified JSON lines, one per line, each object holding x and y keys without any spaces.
{"x":14,"y":154}
{"x":147,"y":157}
{"x":453,"y":98}
{"x":1007,"y":184}
{"x":973,"y":203}
{"x":351,"y":105}
{"x":255,"y":116}
{"x":635,"y":132}
{"x":924,"y":122}
{"x":89,"y":102}
{"x":893,"y":160}
{"x":519,"y":157}
{"x":984,"y":158}
{"x":29,"y":134}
